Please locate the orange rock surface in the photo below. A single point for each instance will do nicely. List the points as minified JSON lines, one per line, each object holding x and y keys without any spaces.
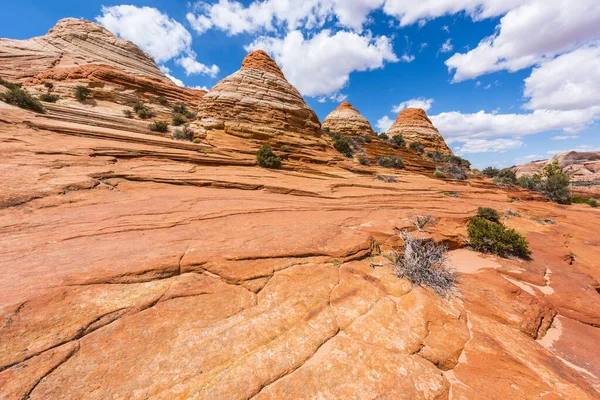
{"x":347,"y":120}
{"x":414,"y":126}
{"x":136,"y":266}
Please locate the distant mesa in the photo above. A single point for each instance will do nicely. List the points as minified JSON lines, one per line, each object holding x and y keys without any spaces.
{"x":347,"y":120}
{"x":257,"y":102}
{"x":414,"y":125}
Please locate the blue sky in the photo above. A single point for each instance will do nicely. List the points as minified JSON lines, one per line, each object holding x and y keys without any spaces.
{"x":505,"y":81}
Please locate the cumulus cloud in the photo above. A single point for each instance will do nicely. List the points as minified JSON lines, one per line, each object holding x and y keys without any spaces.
{"x":176,"y":81}
{"x":419,"y":102}
{"x":200,"y":88}
{"x":488,"y":146}
{"x":384,"y":124}
{"x":447,"y":46}
{"x":529,"y":34}
{"x":568,"y":82}
{"x":193,"y":67}
{"x":321,"y":65}
{"x":157,"y":34}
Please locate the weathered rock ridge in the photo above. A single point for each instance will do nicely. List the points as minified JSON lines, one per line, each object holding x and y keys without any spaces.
{"x":347,"y":120}
{"x":135,"y":266}
{"x":258,"y":102}
{"x":414,"y":125}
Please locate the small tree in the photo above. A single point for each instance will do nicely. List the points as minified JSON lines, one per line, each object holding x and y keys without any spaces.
{"x":82,"y":92}
{"x":556,"y":186}
{"x":266,"y":158}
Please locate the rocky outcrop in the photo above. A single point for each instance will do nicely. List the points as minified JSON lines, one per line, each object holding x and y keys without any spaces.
{"x":347,"y":120}
{"x":414,"y":125}
{"x":74,"y":43}
{"x":257,"y":102}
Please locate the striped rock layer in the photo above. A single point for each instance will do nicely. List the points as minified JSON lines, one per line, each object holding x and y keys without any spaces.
{"x":347,"y":120}
{"x":414,"y":125}
{"x":257,"y":102}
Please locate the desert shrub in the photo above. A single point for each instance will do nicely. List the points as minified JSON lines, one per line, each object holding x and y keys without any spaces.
{"x":159,"y":126}
{"x":417,"y":146}
{"x":10,"y":85}
{"x":197,"y":140}
{"x":128,"y":113}
{"x":285,"y":149}
{"x":383,"y":136}
{"x":488,"y":213}
{"x":139,"y":106}
{"x":178,"y":119}
{"x":358,"y":139}
{"x":556,"y":185}
{"x":584,"y":200}
{"x":20,"y":98}
{"x":455,"y":172}
{"x":386,"y":178}
{"x":364,"y":160}
{"x":490,"y":172}
{"x":491,"y":237}
{"x":49,"y":97}
{"x":344,"y":145}
{"x":531,"y":182}
{"x":459,"y":161}
{"x":436,"y":156}
{"x":146,"y":113}
{"x":49,"y":85}
{"x":451,"y":194}
{"x":266,"y":158}
{"x":476,"y":171}
{"x":368,"y":138}
{"x":82,"y":92}
{"x":506,"y":176}
{"x":398,"y":141}
{"x":422,"y":220}
{"x":184,"y":133}
{"x":390,"y":162}
{"x":163,"y":100}
{"x":180,"y":108}
{"x":424,"y":263}
{"x":438,"y":173}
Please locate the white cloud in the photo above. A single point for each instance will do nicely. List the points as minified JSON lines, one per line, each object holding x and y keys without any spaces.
{"x":489,"y":146}
{"x":321,"y":65}
{"x":407,"y":58}
{"x":335,"y":97}
{"x":446,"y":28}
{"x":164,"y":69}
{"x":565,"y":137}
{"x":568,"y":82}
{"x":200,"y":88}
{"x":528,"y":34}
{"x":157,"y":34}
{"x":447,"y":47}
{"x":176,"y":81}
{"x":193,"y":67}
{"x":419,"y":102}
{"x":384,"y":124}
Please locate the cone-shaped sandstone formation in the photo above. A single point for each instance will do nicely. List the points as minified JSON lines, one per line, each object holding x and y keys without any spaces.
{"x":257,"y":101}
{"x":347,"y":120}
{"x":414,"y":125}
{"x":74,"y":43}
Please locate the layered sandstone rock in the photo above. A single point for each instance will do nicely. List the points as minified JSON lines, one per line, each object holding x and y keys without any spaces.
{"x":257,"y":102}
{"x":73,"y":43}
{"x":414,"y":125}
{"x":347,"y":120}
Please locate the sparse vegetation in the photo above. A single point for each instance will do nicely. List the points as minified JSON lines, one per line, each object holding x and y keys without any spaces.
{"x":266,"y":158}
{"x":422,"y":220}
{"x":454,"y":171}
{"x":10,"y":85}
{"x":424,"y":263}
{"x":364,"y":160}
{"x":553,"y":183}
{"x":368,"y":138}
{"x":451,"y":194}
{"x":178,"y":119}
{"x":506,"y":176}
{"x":490,"y":172}
{"x":181,"y":108}
{"x":398,"y":141}
{"x":143,"y":111}
{"x":488,"y":213}
{"x":128,"y":113}
{"x":82,"y":92}
{"x":163,"y":100}
{"x":184,"y":133}
{"x":390,"y":162}
{"x":417,"y":146}
{"x":438,"y":173}
{"x":49,"y":97}
{"x":49,"y":85}
{"x":531,"y":182}
{"x":197,"y":140}
{"x":386,"y":178}
{"x":492,"y":237}
{"x":284,"y":149}
{"x":584,"y":200}
{"x":383,"y":136}
{"x":344,"y":145}
{"x":159,"y":126}
{"x":20,"y":98}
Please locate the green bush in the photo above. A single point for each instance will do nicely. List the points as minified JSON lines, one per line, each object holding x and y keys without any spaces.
{"x":490,"y":172}
{"x":390,"y":162}
{"x":128,"y":113}
{"x":180,"y":108}
{"x":49,"y":85}
{"x":266,"y":158}
{"x":383,"y":136}
{"x":159,"y":126}
{"x":197,"y":140}
{"x":345,"y":146}
{"x":531,"y":182}
{"x":437,"y":156}
{"x":364,"y":160}
{"x":178,"y":119}
{"x":285,"y":149}
{"x":146,"y":113}
{"x":20,"y":98}
{"x":455,"y":171}
{"x":10,"y":85}
{"x":438,"y":173}
{"x":556,"y":186}
{"x":49,"y":97}
{"x":584,"y":200}
{"x":368,"y":138}
{"x":398,"y":141}
{"x":82,"y":92}
{"x":163,"y":100}
{"x":417,"y":146}
{"x":488,"y":213}
{"x":490,"y":237}
{"x":506,"y":176}
{"x":184,"y":133}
